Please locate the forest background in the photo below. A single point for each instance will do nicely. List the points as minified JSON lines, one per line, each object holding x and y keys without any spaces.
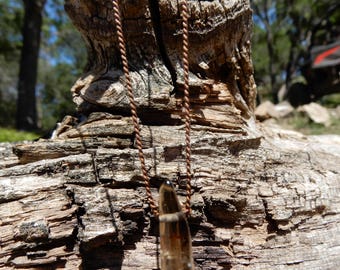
{"x":38,"y":84}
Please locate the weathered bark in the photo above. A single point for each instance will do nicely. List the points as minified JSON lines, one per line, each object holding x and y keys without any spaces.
{"x":257,"y":204}
{"x":262,"y":198}
{"x":221,"y":74}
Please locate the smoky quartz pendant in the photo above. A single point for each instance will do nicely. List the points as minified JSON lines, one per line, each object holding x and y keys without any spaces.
{"x":175,"y":239}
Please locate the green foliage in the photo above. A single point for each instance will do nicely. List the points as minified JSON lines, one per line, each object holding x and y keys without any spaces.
{"x":12,"y":135}
{"x":11,"y":16}
{"x":7,"y":111}
{"x":331,"y":101}
{"x":10,"y":26}
{"x":284,"y":33}
{"x":62,"y":58}
{"x":259,"y":50}
{"x":303,"y":124}
{"x":56,"y":99}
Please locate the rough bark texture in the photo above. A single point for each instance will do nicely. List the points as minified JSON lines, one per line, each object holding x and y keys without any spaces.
{"x":221,"y":77}
{"x":270,"y":203}
{"x":262,"y":198}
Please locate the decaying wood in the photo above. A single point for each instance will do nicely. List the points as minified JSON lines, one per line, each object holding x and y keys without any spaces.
{"x":221,"y":75}
{"x":263,"y":198}
{"x":269,"y":203}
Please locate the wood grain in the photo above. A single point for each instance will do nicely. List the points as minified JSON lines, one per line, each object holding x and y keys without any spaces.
{"x":269,"y":203}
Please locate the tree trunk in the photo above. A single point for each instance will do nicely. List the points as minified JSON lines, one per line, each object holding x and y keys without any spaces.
{"x":26,"y":116}
{"x":262,"y":198}
{"x":221,"y":73}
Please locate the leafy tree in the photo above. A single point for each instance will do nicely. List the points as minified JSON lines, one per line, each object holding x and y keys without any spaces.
{"x":61,"y":59}
{"x":284,"y":33}
{"x":311,"y":23}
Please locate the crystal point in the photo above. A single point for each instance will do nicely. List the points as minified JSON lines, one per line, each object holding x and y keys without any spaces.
{"x":175,"y":239}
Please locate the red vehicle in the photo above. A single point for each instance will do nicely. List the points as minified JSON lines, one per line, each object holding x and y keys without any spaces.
{"x":322,"y":75}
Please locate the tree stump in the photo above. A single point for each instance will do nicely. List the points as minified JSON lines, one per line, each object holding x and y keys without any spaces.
{"x":221,"y":75}
{"x":263,"y":198}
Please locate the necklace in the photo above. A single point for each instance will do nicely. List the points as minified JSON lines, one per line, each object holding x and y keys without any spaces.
{"x":174,"y":229}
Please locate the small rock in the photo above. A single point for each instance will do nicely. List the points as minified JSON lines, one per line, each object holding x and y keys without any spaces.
{"x":336,"y":112}
{"x":265,"y":111}
{"x":316,"y":113}
{"x":284,"y":109}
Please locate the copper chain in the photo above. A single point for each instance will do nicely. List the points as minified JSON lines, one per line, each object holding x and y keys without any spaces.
{"x":186,"y":104}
